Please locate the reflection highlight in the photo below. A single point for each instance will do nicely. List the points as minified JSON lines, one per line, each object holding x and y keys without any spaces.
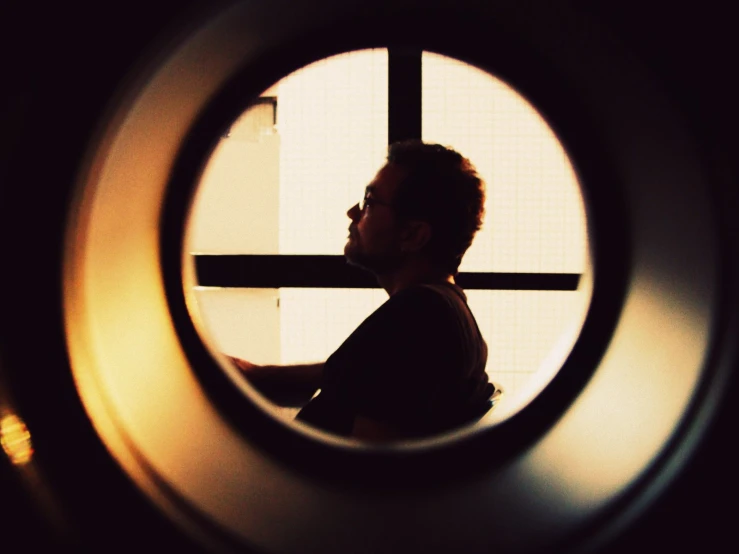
{"x":15,"y":439}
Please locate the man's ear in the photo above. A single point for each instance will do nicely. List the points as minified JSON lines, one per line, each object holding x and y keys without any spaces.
{"x":415,"y":236}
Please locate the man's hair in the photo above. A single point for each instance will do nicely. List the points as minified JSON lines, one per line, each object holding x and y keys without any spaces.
{"x":443,"y":189}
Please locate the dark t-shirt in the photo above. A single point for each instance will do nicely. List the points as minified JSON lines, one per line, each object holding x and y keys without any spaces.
{"x":417,"y":363}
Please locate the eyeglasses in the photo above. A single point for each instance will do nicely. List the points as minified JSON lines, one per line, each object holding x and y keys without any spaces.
{"x":369,"y":201}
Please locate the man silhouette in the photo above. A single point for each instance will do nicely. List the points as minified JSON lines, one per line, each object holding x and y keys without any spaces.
{"x":416,"y":366}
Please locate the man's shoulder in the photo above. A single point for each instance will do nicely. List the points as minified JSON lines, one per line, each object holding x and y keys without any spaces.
{"x":439,"y":295}
{"x":417,"y":297}
{"x":429,"y":290}
{"x":424,"y":306}
{"x":417,"y":309}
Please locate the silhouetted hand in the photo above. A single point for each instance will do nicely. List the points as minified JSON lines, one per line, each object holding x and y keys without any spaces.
{"x":243,"y":365}
{"x":285,"y":385}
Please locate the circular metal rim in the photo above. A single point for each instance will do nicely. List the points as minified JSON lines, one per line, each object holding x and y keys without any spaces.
{"x":379,"y":466}
{"x":531,"y":453}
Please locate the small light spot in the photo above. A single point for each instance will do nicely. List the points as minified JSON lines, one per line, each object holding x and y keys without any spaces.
{"x":16,"y":439}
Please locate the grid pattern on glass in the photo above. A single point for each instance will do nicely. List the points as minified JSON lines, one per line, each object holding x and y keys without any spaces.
{"x":528,"y":334}
{"x":535,"y":219}
{"x":317,"y":321}
{"x":332,"y":120}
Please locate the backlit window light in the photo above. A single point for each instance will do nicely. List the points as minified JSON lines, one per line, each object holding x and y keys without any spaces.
{"x":282,"y":188}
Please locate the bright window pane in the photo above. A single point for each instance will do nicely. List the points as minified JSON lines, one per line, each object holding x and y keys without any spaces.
{"x":332,"y":121}
{"x":535,"y":219}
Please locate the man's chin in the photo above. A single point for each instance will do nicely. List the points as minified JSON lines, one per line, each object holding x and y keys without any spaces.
{"x":376,"y":266}
{"x":353,"y":258}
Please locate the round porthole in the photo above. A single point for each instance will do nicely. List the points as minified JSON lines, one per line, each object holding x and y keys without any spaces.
{"x":267,"y":225}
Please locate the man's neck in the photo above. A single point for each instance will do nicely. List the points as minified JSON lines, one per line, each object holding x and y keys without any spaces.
{"x":410,"y":275}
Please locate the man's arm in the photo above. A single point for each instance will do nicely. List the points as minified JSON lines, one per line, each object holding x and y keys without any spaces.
{"x":285,"y":385}
{"x":374,"y":431}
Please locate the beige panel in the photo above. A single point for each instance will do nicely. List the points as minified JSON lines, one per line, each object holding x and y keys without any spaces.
{"x":236,"y":210}
{"x":242,"y":322}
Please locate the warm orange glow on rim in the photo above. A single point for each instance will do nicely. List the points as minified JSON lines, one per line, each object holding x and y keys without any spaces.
{"x":15,"y":439}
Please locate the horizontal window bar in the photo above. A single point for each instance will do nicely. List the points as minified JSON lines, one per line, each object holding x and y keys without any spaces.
{"x":320,"y":271}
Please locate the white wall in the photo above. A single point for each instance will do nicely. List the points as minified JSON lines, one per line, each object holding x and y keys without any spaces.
{"x":236,"y":211}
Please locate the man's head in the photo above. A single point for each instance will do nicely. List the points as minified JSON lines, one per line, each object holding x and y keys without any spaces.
{"x":427,"y":201}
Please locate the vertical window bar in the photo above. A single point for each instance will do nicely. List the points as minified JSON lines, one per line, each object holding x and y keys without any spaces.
{"x":404,"y":94}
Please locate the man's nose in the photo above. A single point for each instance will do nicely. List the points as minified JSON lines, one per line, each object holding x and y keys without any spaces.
{"x":354,"y":213}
